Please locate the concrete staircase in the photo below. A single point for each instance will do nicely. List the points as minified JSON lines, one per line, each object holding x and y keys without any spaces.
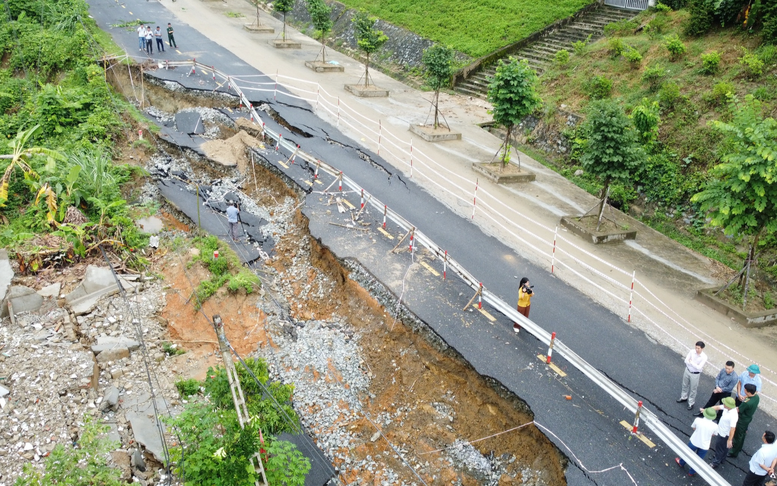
{"x":541,"y":53}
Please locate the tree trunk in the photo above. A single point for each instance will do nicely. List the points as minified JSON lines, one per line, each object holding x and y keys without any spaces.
{"x":748,"y":263}
{"x":284,"y":27}
{"x":257,"y":14}
{"x":507,"y":146}
{"x":603,"y":203}
{"x":367,"y":71}
{"x":323,"y":48}
{"x":436,"y":110}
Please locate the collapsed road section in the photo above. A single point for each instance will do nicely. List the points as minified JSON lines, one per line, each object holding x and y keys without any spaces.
{"x":406,"y":198}
{"x":380,"y":393}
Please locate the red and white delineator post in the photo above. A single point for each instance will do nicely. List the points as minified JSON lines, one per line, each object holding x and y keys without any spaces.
{"x":631,"y":293}
{"x":475,"y":198}
{"x":194,"y":67}
{"x":385,"y":209}
{"x":213,"y":71}
{"x":553,"y":255}
{"x":636,"y":418}
{"x":340,"y":182}
{"x":277,"y":145}
{"x":480,"y":296}
{"x":411,"y":157}
{"x":412,"y":240}
{"x":445,"y":265}
{"x":315,"y":174}
{"x":361,"y":202}
{"x":550,"y":348}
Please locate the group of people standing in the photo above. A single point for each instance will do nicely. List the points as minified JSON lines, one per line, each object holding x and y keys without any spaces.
{"x":146,"y":38}
{"x":727,"y":416}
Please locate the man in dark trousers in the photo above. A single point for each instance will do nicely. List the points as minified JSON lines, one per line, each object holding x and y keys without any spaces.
{"x":233,"y":215}
{"x":170,"y":37}
{"x":725,"y":383}
{"x":160,"y":44}
{"x":763,"y":461}
{"x":746,"y":411}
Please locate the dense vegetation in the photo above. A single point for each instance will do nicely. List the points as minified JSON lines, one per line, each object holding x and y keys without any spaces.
{"x":474,"y":28}
{"x":53,"y":95}
{"x":678,"y":78}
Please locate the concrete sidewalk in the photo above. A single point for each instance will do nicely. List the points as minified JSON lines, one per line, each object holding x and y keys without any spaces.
{"x":670,"y":271}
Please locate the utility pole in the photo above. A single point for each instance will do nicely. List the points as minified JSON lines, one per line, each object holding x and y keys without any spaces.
{"x":237,"y":393}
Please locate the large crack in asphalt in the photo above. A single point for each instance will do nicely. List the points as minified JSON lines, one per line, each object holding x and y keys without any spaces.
{"x":367,"y":158}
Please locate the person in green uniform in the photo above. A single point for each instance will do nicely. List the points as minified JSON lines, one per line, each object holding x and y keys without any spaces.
{"x":170,"y":36}
{"x":746,"y":411}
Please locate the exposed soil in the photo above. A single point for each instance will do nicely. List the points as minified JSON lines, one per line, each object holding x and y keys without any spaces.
{"x":440,"y":398}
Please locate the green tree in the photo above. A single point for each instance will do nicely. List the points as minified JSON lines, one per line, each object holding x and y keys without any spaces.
{"x":86,"y":464}
{"x":514,"y":96}
{"x":439,"y":69}
{"x":741,"y":194}
{"x":284,"y":7}
{"x":646,"y":119}
{"x":215,"y":450}
{"x":368,"y":38}
{"x":610,"y":151}
{"x":321,"y":14}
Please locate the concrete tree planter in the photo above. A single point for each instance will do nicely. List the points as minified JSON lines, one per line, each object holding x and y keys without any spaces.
{"x":259,"y":29}
{"x":746,"y":319}
{"x":494,"y":172}
{"x":286,"y":44}
{"x":368,"y":91}
{"x":431,"y":134}
{"x":324,"y":67}
{"x":609,"y":232}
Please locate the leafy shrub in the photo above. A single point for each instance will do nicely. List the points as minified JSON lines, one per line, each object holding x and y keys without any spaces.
{"x":754,"y":66}
{"x":172,"y":349}
{"x":700,"y":21}
{"x":188,"y":387}
{"x":82,"y":462}
{"x":646,"y":119}
{"x":654,"y":77}
{"x":616,"y":46}
{"x":710,"y":62}
{"x":599,"y":88}
{"x":633,"y":56}
{"x":561,"y":57}
{"x":675,"y":46}
{"x":621,"y":27}
{"x":663,"y":8}
{"x":720,"y":93}
{"x":674,"y":4}
{"x":580,"y":46}
{"x":657,"y":26}
{"x":668,"y":95}
{"x":768,"y":300}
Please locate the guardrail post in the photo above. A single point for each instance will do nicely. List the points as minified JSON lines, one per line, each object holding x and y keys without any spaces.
{"x":631,"y":293}
{"x":550,"y":348}
{"x":475,"y":198}
{"x":636,"y":418}
{"x":553,"y":255}
{"x":445,"y":265}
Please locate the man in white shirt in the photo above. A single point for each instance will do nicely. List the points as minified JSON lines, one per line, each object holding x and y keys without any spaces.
{"x":703,"y":430}
{"x":694,"y":365}
{"x":141,"y":37}
{"x":763,"y":462}
{"x":726,"y":427}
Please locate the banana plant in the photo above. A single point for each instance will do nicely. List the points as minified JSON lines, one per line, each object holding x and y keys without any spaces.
{"x":21,"y":158}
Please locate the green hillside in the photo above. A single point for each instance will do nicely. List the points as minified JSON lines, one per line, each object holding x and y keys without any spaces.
{"x":474,"y":28}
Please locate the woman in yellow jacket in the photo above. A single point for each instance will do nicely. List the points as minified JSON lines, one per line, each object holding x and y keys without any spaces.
{"x":525,"y":293}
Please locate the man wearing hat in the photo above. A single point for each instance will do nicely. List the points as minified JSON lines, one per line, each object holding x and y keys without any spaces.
{"x":763,"y":461}
{"x":703,"y":430}
{"x":750,"y":375}
{"x":746,"y":411}
{"x":726,"y":428}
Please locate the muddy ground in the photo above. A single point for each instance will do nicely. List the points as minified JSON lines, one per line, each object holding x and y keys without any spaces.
{"x":435,"y":398}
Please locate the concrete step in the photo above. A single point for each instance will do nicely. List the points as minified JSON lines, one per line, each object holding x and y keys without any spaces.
{"x":469,"y":92}
{"x":539,"y":56}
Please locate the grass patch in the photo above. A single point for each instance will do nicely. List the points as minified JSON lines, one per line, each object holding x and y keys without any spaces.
{"x":225,"y":270}
{"x":234,"y":15}
{"x":474,"y":28}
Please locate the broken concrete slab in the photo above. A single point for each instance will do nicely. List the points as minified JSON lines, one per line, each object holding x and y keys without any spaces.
{"x":105,"y":343}
{"x":50,"y":290}
{"x":6,"y":273}
{"x":97,"y":283}
{"x":140,"y":413}
{"x":110,"y":399}
{"x":113,"y":354}
{"x":189,"y":122}
{"x":21,"y":299}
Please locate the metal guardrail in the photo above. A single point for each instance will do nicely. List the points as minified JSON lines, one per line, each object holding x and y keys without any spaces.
{"x":652,"y":421}
{"x":628,"y":4}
